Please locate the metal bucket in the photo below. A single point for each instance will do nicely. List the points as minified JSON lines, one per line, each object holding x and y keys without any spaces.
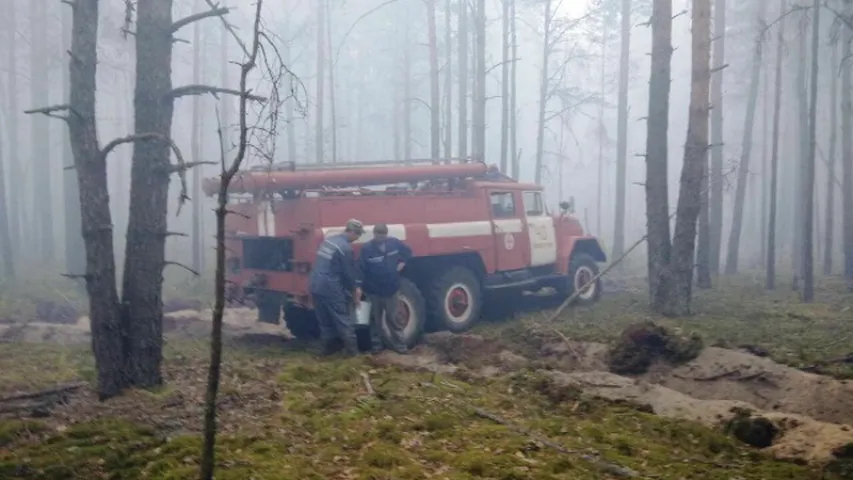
{"x":362,"y":314}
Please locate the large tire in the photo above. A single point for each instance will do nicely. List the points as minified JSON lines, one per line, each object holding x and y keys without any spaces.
{"x":269,"y":307}
{"x":411,"y":315}
{"x":582,"y":269}
{"x":301,"y":322}
{"x":456,"y":299}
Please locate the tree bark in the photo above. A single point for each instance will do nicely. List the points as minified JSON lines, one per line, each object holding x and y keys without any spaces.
{"x":695,"y":159}
{"x":829,"y":228}
{"x":407,"y":90}
{"x":142,"y":291}
{"x":715,"y":213}
{"x":657,"y":203}
{"x":434,"y":94}
{"x":96,"y":221}
{"x":622,"y":131}
{"x":5,"y":235}
{"x":463,"y":78}
{"x":809,"y":180}
{"x":770,"y":280}
{"x":733,"y":248}
{"x":799,"y":177}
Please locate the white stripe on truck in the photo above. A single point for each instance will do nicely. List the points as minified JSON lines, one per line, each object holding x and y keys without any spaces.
{"x":397,"y":230}
{"x":442,"y":230}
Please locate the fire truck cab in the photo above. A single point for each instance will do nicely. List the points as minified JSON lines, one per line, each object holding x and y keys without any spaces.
{"x":473,"y":231}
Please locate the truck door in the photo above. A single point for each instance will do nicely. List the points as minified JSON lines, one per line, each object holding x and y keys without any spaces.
{"x":540,"y":227}
{"x":512,"y":251}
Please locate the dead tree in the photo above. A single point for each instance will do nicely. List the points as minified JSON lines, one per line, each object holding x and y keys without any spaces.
{"x":196,"y":238}
{"x":75,"y":251}
{"x":770,"y":280}
{"x":513,"y":75}
{"x":41,"y":227}
{"x":505,"y":113}
{"x":657,"y":204}
{"x":733,"y":248}
{"x":547,"y":47}
{"x":228,"y":172}
{"x":695,"y":159}
{"x":479,"y":100}
{"x":6,"y":248}
{"x":12,"y":46}
{"x":96,"y":221}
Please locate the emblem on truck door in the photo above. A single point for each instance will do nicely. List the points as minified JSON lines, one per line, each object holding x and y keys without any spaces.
{"x":509,"y":241}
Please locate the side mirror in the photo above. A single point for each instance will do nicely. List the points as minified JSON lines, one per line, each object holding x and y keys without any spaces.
{"x":568,"y":206}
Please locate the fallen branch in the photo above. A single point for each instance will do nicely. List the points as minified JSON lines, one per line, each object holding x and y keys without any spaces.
{"x":62,"y":389}
{"x":734,"y":375}
{"x":197,"y":89}
{"x":367,"y":385}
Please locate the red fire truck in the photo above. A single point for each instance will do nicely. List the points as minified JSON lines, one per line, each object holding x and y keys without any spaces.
{"x":474,"y":232}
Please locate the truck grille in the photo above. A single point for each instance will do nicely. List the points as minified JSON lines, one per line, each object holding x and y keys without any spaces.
{"x":268,"y":253}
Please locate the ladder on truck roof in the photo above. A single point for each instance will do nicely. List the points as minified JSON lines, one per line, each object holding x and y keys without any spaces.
{"x":303,"y":167}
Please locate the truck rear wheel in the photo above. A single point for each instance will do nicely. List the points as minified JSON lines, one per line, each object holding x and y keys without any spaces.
{"x":411,"y":315}
{"x":456,"y":299}
{"x":301,"y":322}
{"x":582,"y":269}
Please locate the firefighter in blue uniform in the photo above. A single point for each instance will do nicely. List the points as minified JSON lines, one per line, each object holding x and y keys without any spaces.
{"x":381,"y":261}
{"x":336,"y":288}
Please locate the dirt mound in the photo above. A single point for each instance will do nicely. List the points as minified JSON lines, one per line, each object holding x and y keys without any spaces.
{"x":642,"y":344}
{"x":721,"y":374}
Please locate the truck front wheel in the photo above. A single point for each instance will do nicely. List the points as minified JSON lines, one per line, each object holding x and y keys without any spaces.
{"x":456,"y":299}
{"x":582,"y":270}
{"x":411,"y":315}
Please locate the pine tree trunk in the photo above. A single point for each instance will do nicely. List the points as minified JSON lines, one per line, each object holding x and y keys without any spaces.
{"x":622,"y":131}
{"x":809,"y":177}
{"x":333,"y":116}
{"x":289,"y":102}
{"x":543,"y":93}
{"x":657,"y":203}
{"x":829,"y":229}
{"x":5,"y":235}
{"x":434,"y":94}
{"x":505,"y":113}
{"x":799,"y":179}
{"x":96,"y":221}
{"x":196,"y":154}
{"x":733,"y":248}
{"x":479,"y":126}
{"x":715,"y":190}
{"x":463,"y":78}
{"x":321,"y":79}
{"x":448,"y":81}
{"x":407,"y":90}
{"x":770,"y":280}
{"x":513,"y":119}
{"x":695,"y":159}
{"x":13,"y":129}
{"x":42,"y":191}
{"x":75,"y":251}
{"x":847,"y":153}
{"x":149,"y":190}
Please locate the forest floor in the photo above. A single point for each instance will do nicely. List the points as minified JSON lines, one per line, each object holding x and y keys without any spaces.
{"x":521,"y":398}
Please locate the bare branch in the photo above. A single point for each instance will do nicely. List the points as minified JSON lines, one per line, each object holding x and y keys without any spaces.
{"x":181,"y":265}
{"x":208,"y":89}
{"x":230,"y":29}
{"x":214,"y":12}
{"x":188,"y":165}
{"x":51,"y":111}
{"x":180,"y":169}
